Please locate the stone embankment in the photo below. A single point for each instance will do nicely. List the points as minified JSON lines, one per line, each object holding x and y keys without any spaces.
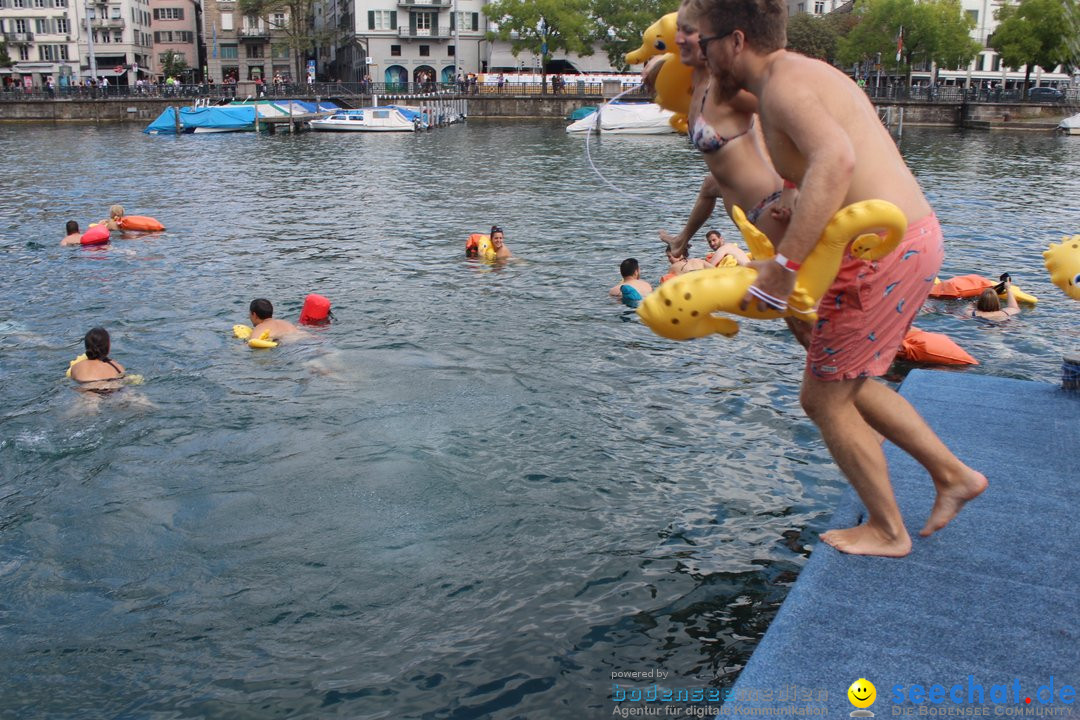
{"x":914,"y":113}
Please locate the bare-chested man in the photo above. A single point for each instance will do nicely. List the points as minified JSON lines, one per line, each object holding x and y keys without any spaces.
{"x":823,"y":134}
{"x":262,"y":317}
{"x":631,"y":276}
{"x":73,"y":237}
{"x":720,"y":249}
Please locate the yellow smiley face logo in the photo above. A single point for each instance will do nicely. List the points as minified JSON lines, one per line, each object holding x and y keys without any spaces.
{"x":862,"y":693}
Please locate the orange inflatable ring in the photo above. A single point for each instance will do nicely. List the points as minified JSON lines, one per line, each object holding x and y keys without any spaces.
{"x":921,"y":346}
{"x":140,"y":223}
{"x":96,"y":235}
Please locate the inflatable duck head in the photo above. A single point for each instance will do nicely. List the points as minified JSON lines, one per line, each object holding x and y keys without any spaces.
{"x":658,"y":39}
{"x":1063,"y":264}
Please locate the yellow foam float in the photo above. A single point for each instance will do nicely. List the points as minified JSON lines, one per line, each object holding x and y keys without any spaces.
{"x":1063,"y":264}
{"x":683,"y":308}
{"x":244,"y":333}
{"x":674,"y":83}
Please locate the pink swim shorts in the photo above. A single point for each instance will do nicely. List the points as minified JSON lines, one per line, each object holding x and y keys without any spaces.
{"x":868,"y":309}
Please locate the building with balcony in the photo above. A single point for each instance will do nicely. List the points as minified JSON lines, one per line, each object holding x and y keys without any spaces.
{"x":402,"y":41}
{"x":177,"y":28}
{"x":245,"y":47}
{"x":42,"y":40}
{"x":119,"y":37}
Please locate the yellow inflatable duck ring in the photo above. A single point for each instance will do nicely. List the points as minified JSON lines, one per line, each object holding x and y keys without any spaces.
{"x":683,"y":308}
{"x":1063,"y":264}
{"x":674,"y":81}
{"x":244,"y":333}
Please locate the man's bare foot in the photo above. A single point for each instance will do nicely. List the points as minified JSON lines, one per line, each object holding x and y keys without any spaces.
{"x":867,"y":540}
{"x":951,"y":498}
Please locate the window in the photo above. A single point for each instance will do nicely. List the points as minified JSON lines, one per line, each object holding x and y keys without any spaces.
{"x":20,"y":26}
{"x":382,"y":19}
{"x":996,"y":64}
{"x":41,"y":26}
{"x":465,"y":20}
{"x":62,"y":51}
{"x":279,"y":51}
{"x":229,"y":52}
{"x":118,"y":36}
{"x":163,"y":36}
{"x":20,"y":4}
{"x":395,"y":50}
{"x":104,"y":38}
{"x":168,"y":13}
{"x":226,"y":21}
{"x":39,"y":3}
{"x":278,"y":21}
{"x":24,"y":52}
{"x":801,"y":8}
{"x":47,"y":52}
{"x":974,"y":15}
{"x":450,"y":50}
{"x":63,"y":26}
{"x":425,"y":51}
{"x":819,"y":7}
{"x":114,"y":13}
{"x":423,"y":22}
{"x":60,"y":3}
{"x":254,"y":51}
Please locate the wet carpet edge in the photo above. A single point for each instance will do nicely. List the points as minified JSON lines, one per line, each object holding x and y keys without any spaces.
{"x":989,"y":600}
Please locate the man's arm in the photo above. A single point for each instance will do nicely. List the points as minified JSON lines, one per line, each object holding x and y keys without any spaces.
{"x":702,"y":211}
{"x":795,"y":110}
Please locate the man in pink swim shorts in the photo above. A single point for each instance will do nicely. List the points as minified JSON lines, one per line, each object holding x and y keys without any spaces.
{"x":824,"y":135}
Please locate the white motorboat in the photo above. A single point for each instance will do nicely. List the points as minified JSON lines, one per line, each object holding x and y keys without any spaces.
{"x":1071,"y":125}
{"x":389,"y":118}
{"x":625,"y":119}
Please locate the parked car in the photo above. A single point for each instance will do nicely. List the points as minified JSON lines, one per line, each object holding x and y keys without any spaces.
{"x":1045,"y":94}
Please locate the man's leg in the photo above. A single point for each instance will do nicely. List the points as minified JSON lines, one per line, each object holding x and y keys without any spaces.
{"x":894,"y":417}
{"x":857,"y":451}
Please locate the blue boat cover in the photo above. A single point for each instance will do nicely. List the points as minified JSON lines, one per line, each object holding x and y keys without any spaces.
{"x":227,"y":117}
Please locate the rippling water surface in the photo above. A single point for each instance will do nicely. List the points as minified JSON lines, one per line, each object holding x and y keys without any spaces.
{"x":479,"y":493}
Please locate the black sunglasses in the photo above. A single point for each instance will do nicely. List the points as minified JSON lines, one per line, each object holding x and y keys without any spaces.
{"x":703,"y":42}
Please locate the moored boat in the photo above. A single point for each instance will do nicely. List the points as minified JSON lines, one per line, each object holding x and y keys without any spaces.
{"x":389,"y":118}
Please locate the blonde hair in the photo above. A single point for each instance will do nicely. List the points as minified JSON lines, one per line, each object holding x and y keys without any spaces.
{"x":116,"y":211}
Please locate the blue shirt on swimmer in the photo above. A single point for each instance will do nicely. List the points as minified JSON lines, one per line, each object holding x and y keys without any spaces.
{"x":631,"y":296}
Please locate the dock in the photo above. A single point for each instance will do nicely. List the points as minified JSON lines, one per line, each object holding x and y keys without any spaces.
{"x":983,"y":617}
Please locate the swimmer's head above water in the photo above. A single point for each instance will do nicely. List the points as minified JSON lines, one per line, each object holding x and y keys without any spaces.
{"x":97,"y":344}
{"x":261,"y":309}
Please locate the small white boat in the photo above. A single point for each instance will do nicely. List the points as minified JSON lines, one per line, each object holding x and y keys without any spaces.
{"x":1071,"y":125}
{"x":389,"y":118}
{"x":626,"y":119}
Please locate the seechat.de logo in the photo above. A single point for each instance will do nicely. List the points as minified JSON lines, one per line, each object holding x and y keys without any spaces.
{"x":862,"y":695}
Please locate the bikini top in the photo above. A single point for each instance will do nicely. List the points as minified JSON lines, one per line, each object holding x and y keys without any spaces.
{"x":704,"y":137}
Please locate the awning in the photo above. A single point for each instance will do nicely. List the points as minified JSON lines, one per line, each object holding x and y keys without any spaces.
{"x":34,"y":67}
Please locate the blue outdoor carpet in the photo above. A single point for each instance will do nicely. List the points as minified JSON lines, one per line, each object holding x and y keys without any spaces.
{"x":989,"y":606}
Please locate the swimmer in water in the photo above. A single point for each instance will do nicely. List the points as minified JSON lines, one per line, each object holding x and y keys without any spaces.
{"x":498,"y":243}
{"x":97,"y":366}
{"x":116,"y":216}
{"x":262,"y":317}
{"x":74,"y":237}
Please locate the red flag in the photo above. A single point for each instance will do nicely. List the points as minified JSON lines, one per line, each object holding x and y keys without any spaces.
{"x":900,"y":44}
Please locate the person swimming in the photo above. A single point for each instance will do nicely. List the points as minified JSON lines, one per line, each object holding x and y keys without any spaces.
{"x":115,"y":219}
{"x":261,"y":312}
{"x":73,"y":237}
{"x":97,"y":366}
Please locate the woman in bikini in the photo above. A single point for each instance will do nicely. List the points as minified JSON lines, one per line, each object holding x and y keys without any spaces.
{"x":97,"y":366}
{"x":722,"y":126}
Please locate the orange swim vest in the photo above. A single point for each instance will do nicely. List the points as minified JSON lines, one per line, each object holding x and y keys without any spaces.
{"x":928,"y":347}
{"x":141,"y":223}
{"x":964,"y":286}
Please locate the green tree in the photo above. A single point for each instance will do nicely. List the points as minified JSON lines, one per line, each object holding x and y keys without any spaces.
{"x":1035,"y":32}
{"x":5,"y":59}
{"x":934,"y":31}
{"x":543,"y":27}
{"x":298,"y":29}
{"x":620,"y":24}
{"x":173,"y":65}
{"x":818,"y":36}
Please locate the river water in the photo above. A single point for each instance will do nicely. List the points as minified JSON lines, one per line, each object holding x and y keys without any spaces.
{"x":482,"y":491}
